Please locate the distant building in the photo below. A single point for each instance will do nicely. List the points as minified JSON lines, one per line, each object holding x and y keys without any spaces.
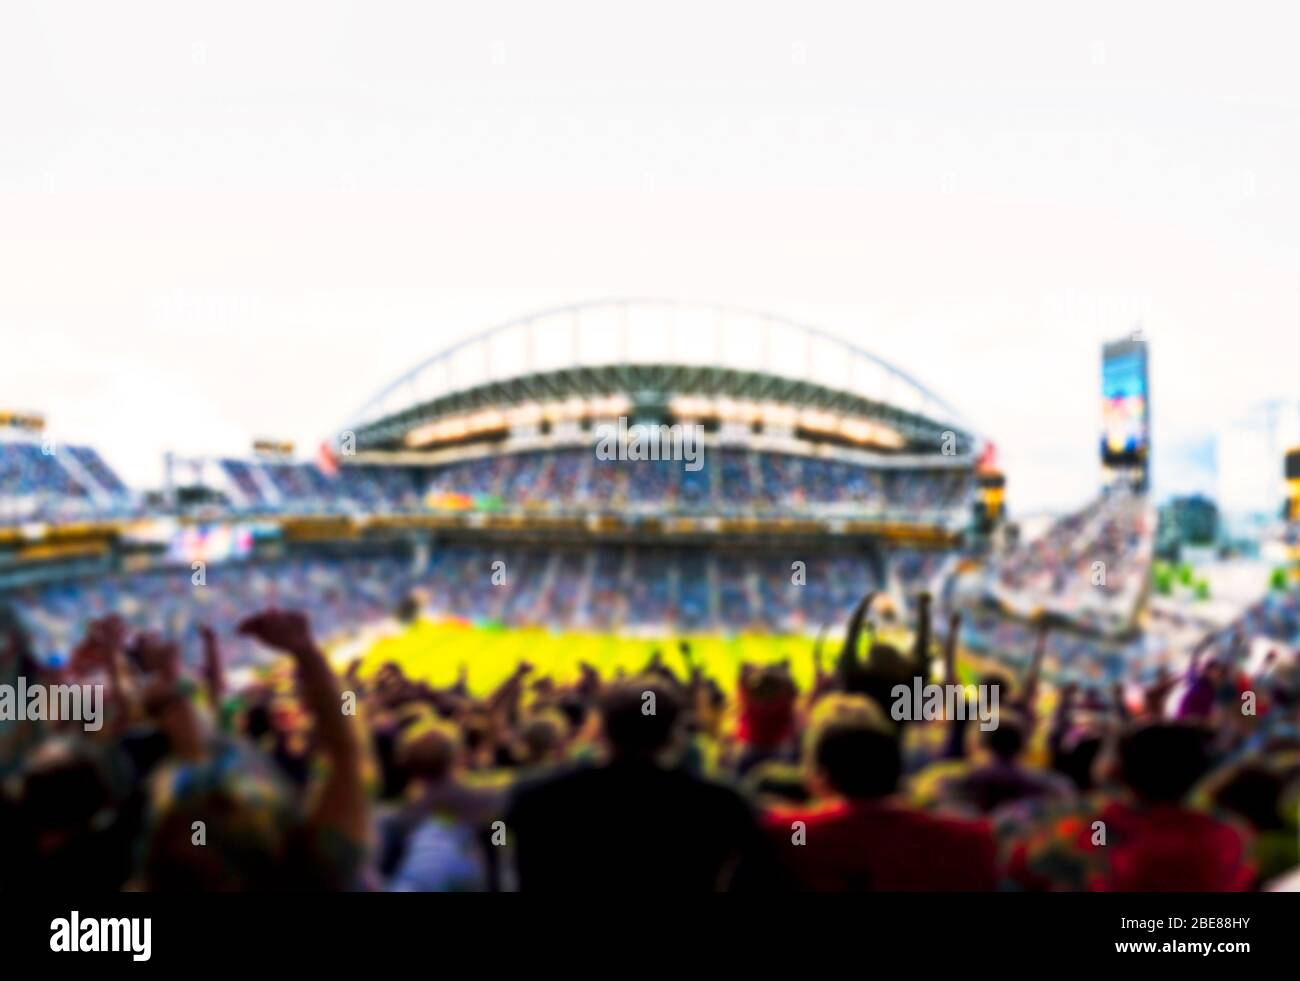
{"x":1191,"y":521}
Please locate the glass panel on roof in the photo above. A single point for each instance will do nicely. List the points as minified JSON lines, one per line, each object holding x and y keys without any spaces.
{"x":830,"y":364}
{"x":907,"y":396}
{"x":695,"y":336}
{"x":508,"y":352}
{"x":465,"y":366}
{"x":553,"y":341}
{"x":788,"y":351}
{"x":868,"y":378}
{"x":647,"y":334}
{"x":599,"y":341}
{"x":743,"y":339}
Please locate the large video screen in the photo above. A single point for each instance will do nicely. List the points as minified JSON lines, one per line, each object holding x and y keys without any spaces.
{"x":211,"y":543}
{"x":1125,"y":423}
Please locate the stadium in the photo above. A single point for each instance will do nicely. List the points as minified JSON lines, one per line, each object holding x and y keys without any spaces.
{"x":502,"y":552}
{"x":638,"y":454}
{"x":823,"y":472}
{"x":475,"y":485}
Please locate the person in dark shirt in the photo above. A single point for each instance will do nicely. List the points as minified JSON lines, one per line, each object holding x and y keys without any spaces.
{"x":632,"y":823}
{"x":1003,"y":779}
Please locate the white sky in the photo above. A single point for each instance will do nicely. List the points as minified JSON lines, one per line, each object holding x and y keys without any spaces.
{"x":230,"y":220}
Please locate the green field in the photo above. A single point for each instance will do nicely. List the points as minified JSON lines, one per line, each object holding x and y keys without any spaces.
{"x":433,"y":651}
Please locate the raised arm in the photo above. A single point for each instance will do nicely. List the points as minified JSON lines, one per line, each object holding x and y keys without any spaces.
{"x":341,"y":806}
{"x":1117,"y":697}
{"x":106,"y":641}
{"x":955,"y":743}
{"x":1062,"y":718}
{"x":950,"y":648}
{"x":848,"y":659}
{"x":921,"y":645}
{"x":694,"y":674}
{"x":214,"y":676}
{"x":1035,"y":670}
{"x":1194,"y":659}
{"x":504,"y":698}
{"x":822,"y":679}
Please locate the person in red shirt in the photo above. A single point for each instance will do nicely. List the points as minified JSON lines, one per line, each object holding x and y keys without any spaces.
{"x":861,"y":838}
{"x":1147,"y":839}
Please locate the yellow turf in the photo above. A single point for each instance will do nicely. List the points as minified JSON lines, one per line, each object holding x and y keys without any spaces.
{"x":433,"y":651}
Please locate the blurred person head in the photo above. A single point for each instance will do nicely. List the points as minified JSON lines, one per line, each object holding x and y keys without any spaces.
{"x":542,"y":738}
{"x":61,"y":821}
{"x":429,"y":750}
{"x":476,"y":734}
{"x":710,"y":707}
{"x":243,"y":812}
{"x":1076,"y":756}
{"x":59,"y":794}
{"x":256,"y":721}
{"x":639,"y":721}
{"x":390,"y":684}
{"x":855,"y":750}
{"x":1161,"y":762}
{"x":1007,"y":740}
{"x":574,"y":707}
{"x":1262,"y":792}
{"x":1001,"y":682}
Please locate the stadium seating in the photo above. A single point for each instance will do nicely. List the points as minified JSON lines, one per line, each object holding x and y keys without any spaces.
{"x":26,"y":471}
{"x":1090,"y":567}
{"x":275,"y":487}
{"x":340,"y":596}
{"x":732,"y":482}
{"x":685,"y":590}
{"x":78,"y":483}
{"x":68,"y":483}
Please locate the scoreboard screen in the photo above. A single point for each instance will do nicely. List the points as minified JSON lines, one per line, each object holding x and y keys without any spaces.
{"x":211,"y":543}
{"x":1125,"y":410}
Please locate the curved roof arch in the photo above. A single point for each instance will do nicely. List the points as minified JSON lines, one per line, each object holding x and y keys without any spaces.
{"x":656,"y":331}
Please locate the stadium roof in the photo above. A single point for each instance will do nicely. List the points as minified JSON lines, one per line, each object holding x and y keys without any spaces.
{"x":580,"y":348}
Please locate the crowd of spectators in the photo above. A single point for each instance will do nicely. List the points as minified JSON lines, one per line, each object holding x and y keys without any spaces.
{"x":638,"y":588}
{"x":338,"y":595}
{"x":78,"y":483}
{"x":1091,"y":566}
{"x":730,"y":480}
{"x":671,"y":781}
{"x":266,"y":486}
{"x":47,"y":482}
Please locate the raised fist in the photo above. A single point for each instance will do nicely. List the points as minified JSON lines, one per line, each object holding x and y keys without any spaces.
{"x":284,"y":630}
